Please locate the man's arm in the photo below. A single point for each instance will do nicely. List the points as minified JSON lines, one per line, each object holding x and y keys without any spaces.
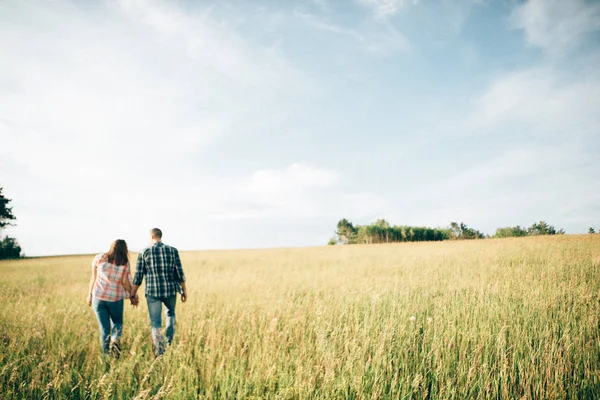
{"x":184,"y":295}
{"x":180,"y":276}
{"x":140,"y":271}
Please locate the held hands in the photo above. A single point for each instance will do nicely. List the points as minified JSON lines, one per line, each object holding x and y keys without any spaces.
{"x":135,"y":300}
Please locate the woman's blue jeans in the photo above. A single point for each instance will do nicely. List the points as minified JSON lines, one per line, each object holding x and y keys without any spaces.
{"x":155,"y":311}
{"x":107,"y":311}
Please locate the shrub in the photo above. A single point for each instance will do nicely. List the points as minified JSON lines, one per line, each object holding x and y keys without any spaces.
{"x":9,"y":248}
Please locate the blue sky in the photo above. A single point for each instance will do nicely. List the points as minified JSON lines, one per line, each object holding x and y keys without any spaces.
{"x":236,"y":124}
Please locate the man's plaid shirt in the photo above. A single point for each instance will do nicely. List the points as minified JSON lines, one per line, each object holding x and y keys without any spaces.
{"x":161,"y":266}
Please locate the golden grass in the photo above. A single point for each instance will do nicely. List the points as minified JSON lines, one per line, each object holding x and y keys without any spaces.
{"x":509,"y":318}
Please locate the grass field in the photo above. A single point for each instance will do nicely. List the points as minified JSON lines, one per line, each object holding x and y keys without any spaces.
{"x":510,"y":318}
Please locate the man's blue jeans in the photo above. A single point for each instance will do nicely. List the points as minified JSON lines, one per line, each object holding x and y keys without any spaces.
{"x":155,"y":311}
{"x":107,"y":311}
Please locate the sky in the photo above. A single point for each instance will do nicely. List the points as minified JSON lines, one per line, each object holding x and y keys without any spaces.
{"x":237,"y":124}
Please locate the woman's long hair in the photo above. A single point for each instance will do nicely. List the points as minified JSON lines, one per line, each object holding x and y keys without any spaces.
{"x":118,"y":253}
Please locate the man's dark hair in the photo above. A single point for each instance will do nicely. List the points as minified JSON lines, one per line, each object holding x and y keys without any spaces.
{"x":157,"y":233}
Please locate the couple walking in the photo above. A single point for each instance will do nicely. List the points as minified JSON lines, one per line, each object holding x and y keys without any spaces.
{"x":110,"y":284}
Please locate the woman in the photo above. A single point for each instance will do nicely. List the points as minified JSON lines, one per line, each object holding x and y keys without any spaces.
{"x":109,"y":285}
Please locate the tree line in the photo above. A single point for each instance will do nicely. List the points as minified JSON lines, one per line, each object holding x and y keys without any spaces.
{"x":382,"y":232}
{"x":9,"y":247}
{"x":538,"y":228}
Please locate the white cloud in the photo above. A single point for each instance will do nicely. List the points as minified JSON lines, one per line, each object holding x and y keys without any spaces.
{"x":108,"y":111}
{"x":542,"y":128}
{"x":100,"y":102}
{"x":384,"y":8}
{"x":322,"y":25}
{"x":296,"y":175}
{"x":295,"y":192}
{"x":547,"y":103}
{"x":557,"y":26}
{"x":388,"y":41}
{"x":521,"y":185}
{"x":167,"y":78}
{"x":383,"y":40}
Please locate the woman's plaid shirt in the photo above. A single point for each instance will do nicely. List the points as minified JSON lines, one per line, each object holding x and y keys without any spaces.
{"x":109,"y":279}
{"x":161,"y":266}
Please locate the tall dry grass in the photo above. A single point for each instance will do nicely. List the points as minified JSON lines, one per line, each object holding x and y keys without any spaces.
{"x":511,"y":318}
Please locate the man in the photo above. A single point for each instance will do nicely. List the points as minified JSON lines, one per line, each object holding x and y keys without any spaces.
{"x":161,"y":266}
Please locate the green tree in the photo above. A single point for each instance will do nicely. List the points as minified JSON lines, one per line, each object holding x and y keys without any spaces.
{"x":511,"y":231}
{"x":542,"y":228}
{"x":361,"y":234}
{"x":470,"y":233}
{"x":454,"y":230}
{"x":403,"y":234}
{"x":591,"y":230}
{"x":381,"y":231}
{"x":462,"y":231}
{"x":384,"y":230}
{"x":346,"y":231}
{"x":9,"y":247}
{"x":382,"y":223}
{"x":6,"y":215}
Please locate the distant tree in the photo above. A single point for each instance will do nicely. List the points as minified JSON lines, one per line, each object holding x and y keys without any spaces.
{"x":462,"y":231}
{"x":346,"y":231}
{"x":443,"y":233}
{"x":6,"y":215}
{"x":511,"y":231}
{"x":332,"y":242}
{"x":591,"y":230}
{"x":362,"y":235}
{"x":382,"y":223}
{"x":403,"y":234}
{"x":454,"y":230}
{"x":470,"y":233}
{"x":382,"y":232}
{"x":410,"y":234}
{"x":542,"y":228}
{"x":9,"y":247}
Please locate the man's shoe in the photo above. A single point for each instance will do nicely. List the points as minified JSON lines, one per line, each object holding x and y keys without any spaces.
{"x":115,"y":349}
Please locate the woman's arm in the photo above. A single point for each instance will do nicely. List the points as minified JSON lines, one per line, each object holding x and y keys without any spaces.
{"x":92,"y":283}
{"x":128,"y":287}
{"x":126,"y":282}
